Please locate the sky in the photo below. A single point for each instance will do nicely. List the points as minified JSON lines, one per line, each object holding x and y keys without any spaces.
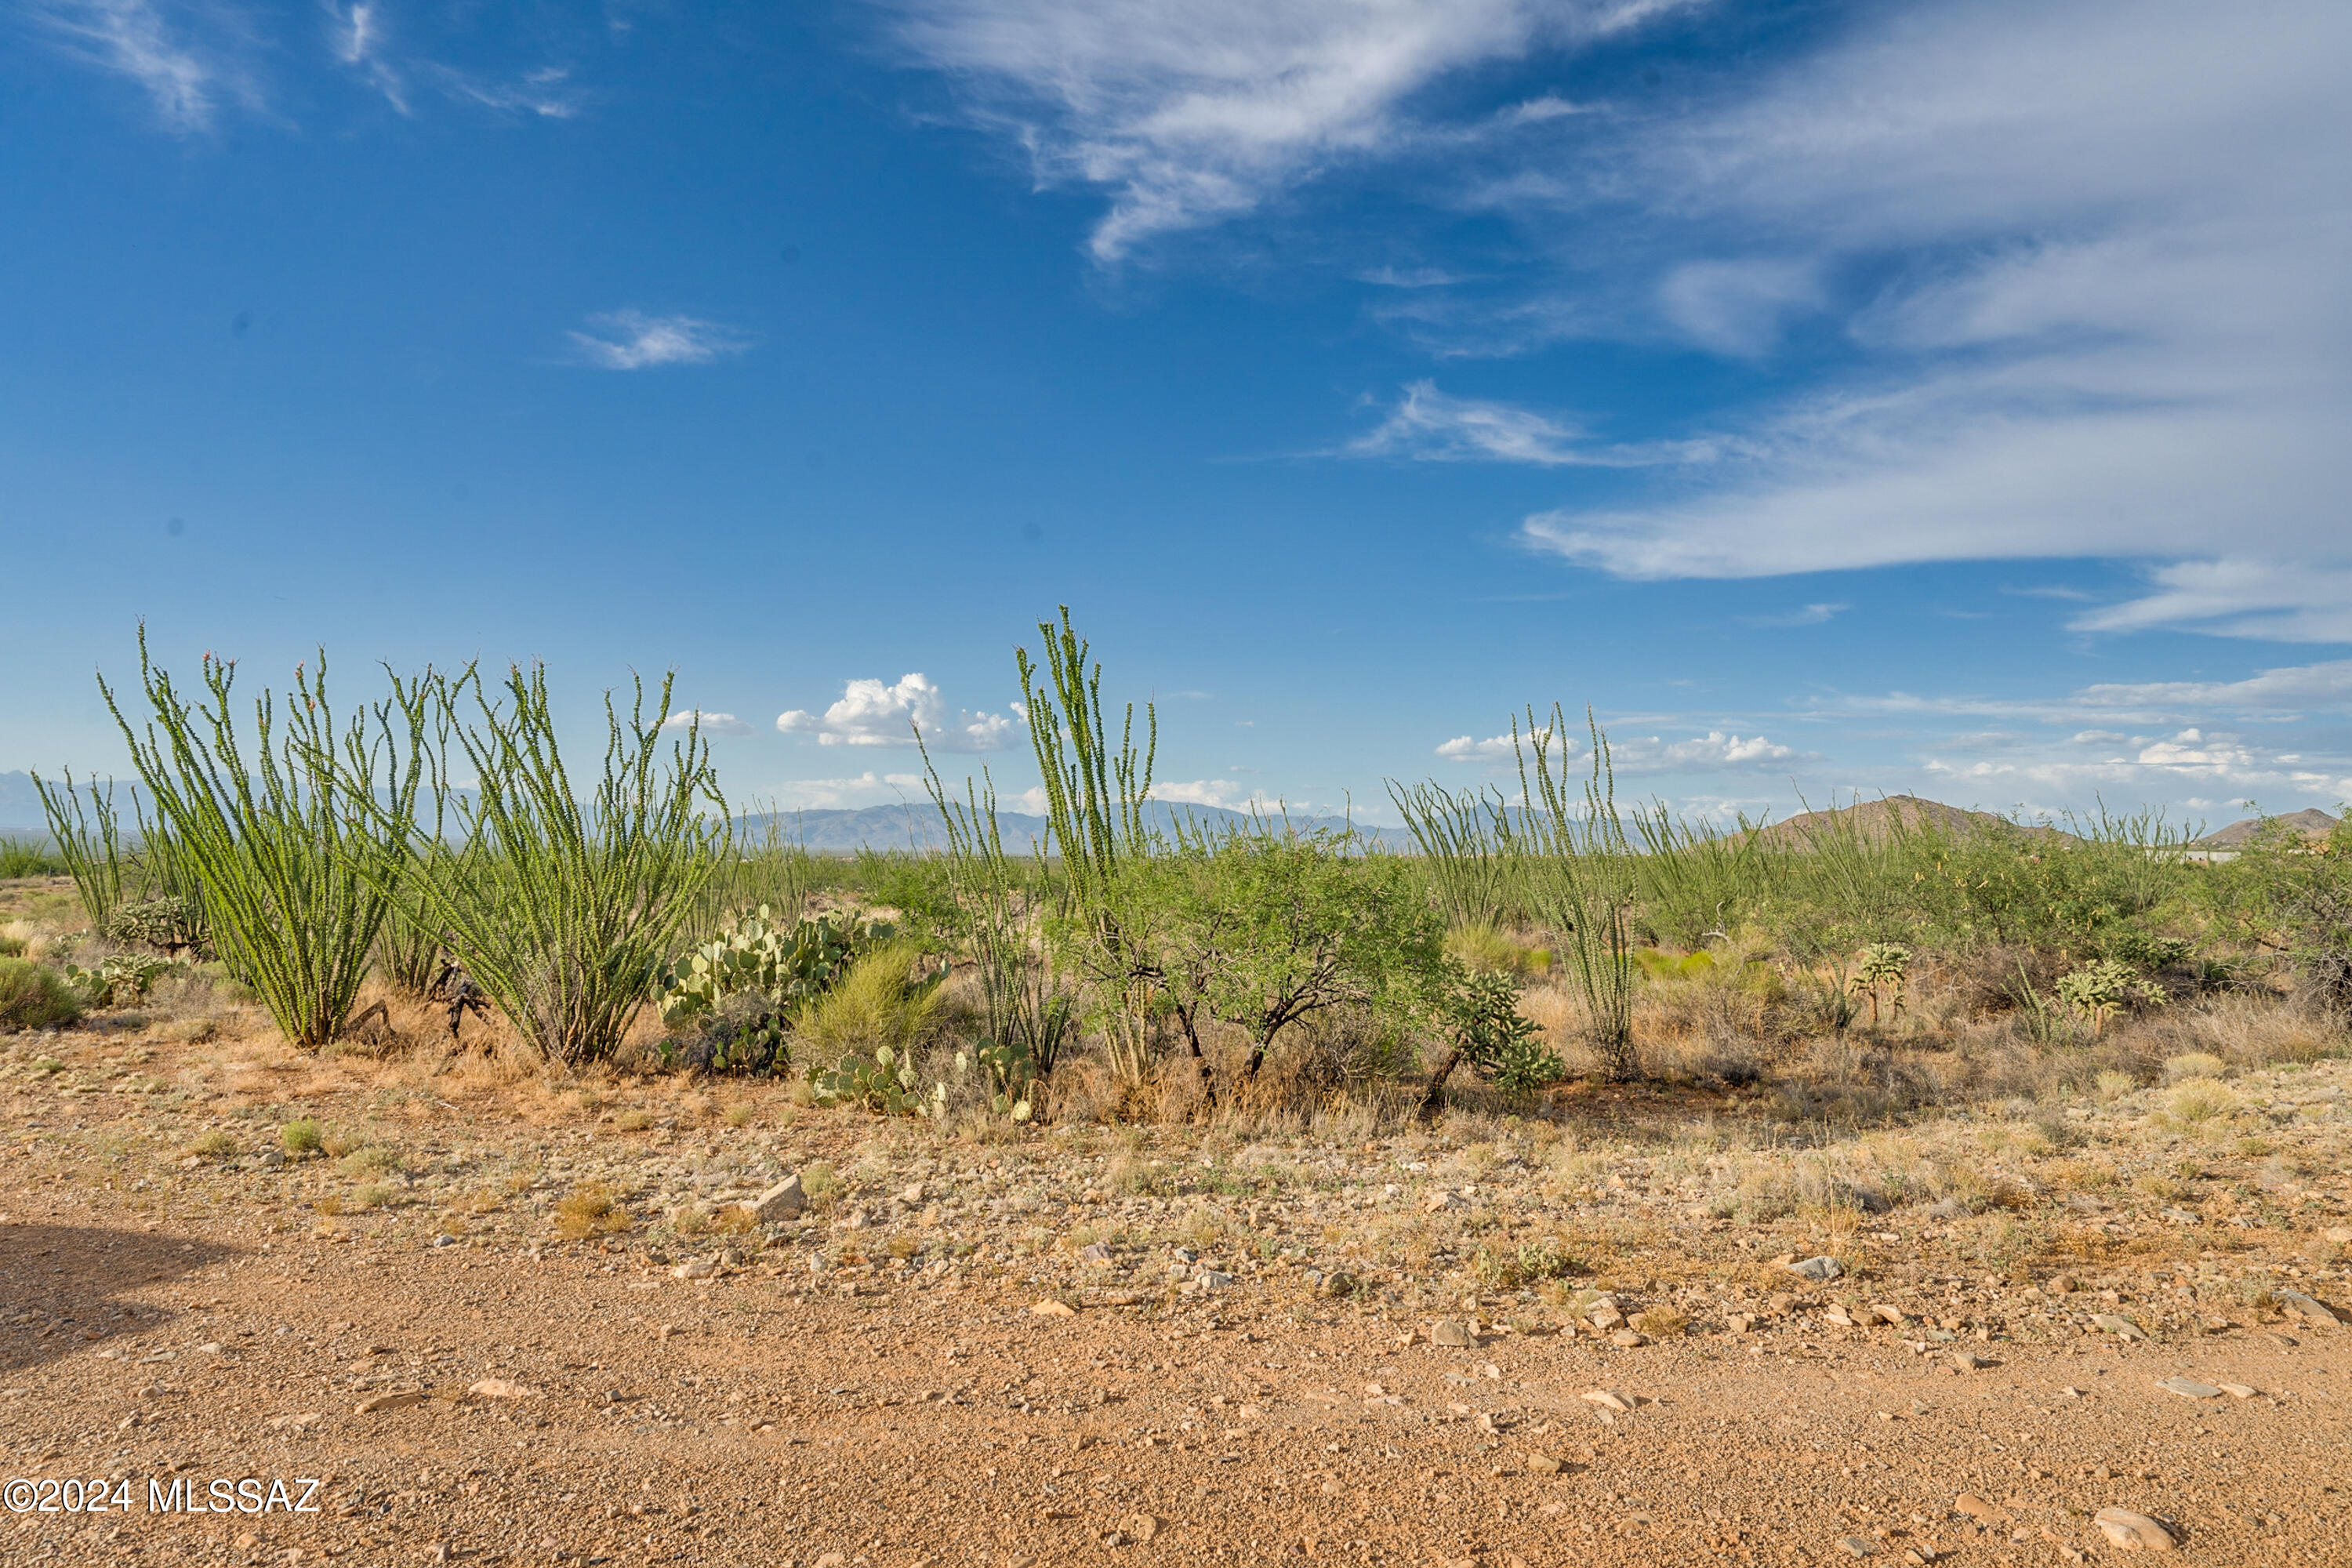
{"x":1943,"y":398}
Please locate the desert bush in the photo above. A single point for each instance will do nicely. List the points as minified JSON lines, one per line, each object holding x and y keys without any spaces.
{"x":562,"y":910}
{"x":118,"y":979}
{"x":1582,"y":878}
{"x":2194,"y":1064}
{"x":591,"y":1209}
{"x":730,"y":1002}
{"x":34,"y":997}
{"x":290,"y":843}
{"x":27,"y":858}
{"x":303,"y":1135}
{"x":2202,"y":1100}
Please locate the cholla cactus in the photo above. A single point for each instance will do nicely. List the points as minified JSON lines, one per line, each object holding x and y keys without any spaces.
{"x":2099,"y":990}
{"x":1883,"y":964}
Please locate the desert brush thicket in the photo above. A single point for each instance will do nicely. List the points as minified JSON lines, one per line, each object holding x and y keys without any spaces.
{"x":1184,"y":964}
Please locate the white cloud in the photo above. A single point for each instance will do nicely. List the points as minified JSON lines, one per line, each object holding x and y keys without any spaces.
{"x":182,"y":77}
{"x":2104,"y":315}
{"x":631,"y":339}
{"x":2284,"y":692}
{"x":1189,"y":111}
{"x":546,"y":91}
{"x":1811,"y":615}
{"x":357,"y":34}
{"x":870,"y":713}
{"x":711,"y":723}
{"x":1633,"y":754}
{"x":1428,"y":426}
{"x":825,"y":794}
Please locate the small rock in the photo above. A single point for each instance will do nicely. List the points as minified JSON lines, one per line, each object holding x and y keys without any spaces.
{"x":1542,"y":1465}
{"x":1858,"y":1546}
{"x":1839,"y":1315}
{"x":1049,"y":1308}
{"x":2123,"y":1328}
{"x":1143,"y":1527}
{"x":1968,"y":1361}
{"x":1608,"y":1398}
{"x":2189,"y":1388}
{"x":1628,"y":1338}
{"x":2132,"y":1531}
{"x":785,"y":1200}
{"x":1886,"y":1314}
{"x":1339,"y":1283}
{"x":912,"y":1196}
{"x":1815,"y":1269}
{"x":696,"y":1268}
{"x":2306,"y":1307}
{"x":1450,"y":1333}
{"x":499,"y":1388}
{"x":1605,"y":1317}
{"x":408,"y":1401}
{"x":1096,"y":1253}
{"x":1440,"y":1201}
{"x":1213,"y":1279}
{"x":1976,"y":1508}
{"x":2341,"y":1235}
{"x":2237,"y":1390}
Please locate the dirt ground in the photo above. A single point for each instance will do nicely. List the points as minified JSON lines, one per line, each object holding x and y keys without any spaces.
{"x":500,"y":1318}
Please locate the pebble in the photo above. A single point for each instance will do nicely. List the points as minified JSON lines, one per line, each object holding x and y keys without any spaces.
{"x":1143,"y":1527}
{"x":390,"y":1402}
{"x":1451,"y":1333}
{"x":1608,"y":1398}
{"x":696,"y":1268}
{"x":1627,"y":1338}
{"x":2130,"y":1531}
{"x":2239,"y":1389}
{"x":1052,"y":1309}
{"x":1889,"y":1315}
{"x":1542,"y":1465}
{"x":1858,"y":1546}
{"x":499,"y":1388}
{"x":1816,"y":1268}
{"x":1968,"y":1361}
{"x":1976,"y":1508}
{"x":2189,"y":1388}
{"x":785,"y":1200}
{"x":2122,"y":1327}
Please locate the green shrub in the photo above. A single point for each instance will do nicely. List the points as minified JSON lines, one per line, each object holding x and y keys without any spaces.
{"x":303,"y":1135}
{"x":33,"y":997}
{"x":878,"y":1003}
{"x":26,"y":858}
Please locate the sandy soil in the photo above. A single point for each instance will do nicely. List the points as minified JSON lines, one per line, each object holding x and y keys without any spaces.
{"x":1093,"y":1344}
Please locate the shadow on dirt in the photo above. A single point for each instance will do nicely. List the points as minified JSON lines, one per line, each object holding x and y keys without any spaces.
{"x":61,"y":1286}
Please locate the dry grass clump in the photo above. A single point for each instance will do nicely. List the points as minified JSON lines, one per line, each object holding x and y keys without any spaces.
{"x":591,"y":1209}
{"x":2202,"y":1100}
{"x":634,"y":1119}
{"x":2194,"y":1064}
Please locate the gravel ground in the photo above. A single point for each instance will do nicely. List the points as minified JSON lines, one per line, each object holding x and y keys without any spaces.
{"x":1489,"y":1344}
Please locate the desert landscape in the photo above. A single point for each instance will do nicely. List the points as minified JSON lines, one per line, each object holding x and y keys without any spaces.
{"x":1608,"y":1189}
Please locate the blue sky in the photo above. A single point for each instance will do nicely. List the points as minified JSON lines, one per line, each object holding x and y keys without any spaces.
{"x":1944,"y":398}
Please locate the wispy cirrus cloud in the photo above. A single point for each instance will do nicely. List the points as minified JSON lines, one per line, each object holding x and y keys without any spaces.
{"x":1428,"y":426}
{"x":186,"y":60}
{"x":1716,"y":749}
{"x":1189,"y":113}
{"x":633,"y":339}
{"x":1810,"y":615}
{"x":2100,"y":318}
{"x":872,"y":713}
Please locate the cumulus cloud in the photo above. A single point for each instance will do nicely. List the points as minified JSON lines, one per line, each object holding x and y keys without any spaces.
{"x":843,"y":794}
{"x":631,"y":339}
{"x":711,"y":723}
{"x":1190,"y":111}
{"x":2208,"y":763}
{"x":872,"y":713}
{"x":1223,"y":793}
